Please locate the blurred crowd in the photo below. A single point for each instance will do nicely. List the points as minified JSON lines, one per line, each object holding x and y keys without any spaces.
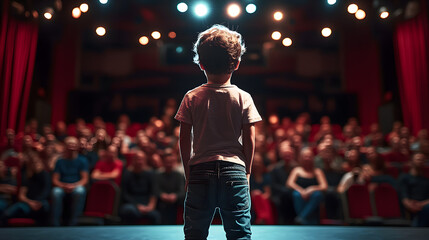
{"x":300,"y":170}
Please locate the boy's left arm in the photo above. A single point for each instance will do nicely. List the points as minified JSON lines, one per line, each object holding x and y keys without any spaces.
{"x":249,"y":134}
{"x":185,"y":146}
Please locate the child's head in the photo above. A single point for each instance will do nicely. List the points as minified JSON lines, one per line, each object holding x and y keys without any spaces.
{"x":218,"y":50}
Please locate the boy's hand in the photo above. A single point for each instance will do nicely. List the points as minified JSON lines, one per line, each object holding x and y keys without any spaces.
{"x":248,"y":178}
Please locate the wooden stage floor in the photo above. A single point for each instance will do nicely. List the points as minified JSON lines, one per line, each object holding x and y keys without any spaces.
{"x":216,"y":233}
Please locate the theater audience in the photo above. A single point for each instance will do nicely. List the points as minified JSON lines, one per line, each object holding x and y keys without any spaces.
{"x":414,"y":192}
{"x":8,"y":145}
{"x":8,"y":177}
{"x":33,"y":194}
{"x":260,"y":192}
{"x":308,"y":184}
{"x":171,"y":189}
{"x":109,"y":167}
{"x":69,"y":179}
{"x":139,"y":192}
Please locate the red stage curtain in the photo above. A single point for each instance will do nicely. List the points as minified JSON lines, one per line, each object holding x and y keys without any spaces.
{"x":18,"y":43}
{"x":412,"y":52}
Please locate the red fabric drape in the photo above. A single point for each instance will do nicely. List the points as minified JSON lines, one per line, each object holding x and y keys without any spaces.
{"x":18,"y":43}
{"x":412,"y":52}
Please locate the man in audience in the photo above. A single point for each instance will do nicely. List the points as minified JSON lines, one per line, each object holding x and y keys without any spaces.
{"x":281,"y":194}
{"x":7,"y":185}
{"x":109,"y":167}
{"x":69,"y":179}
{"x":140,"y":193}
{"x":414,"y":191}
{"x":171,"y":188}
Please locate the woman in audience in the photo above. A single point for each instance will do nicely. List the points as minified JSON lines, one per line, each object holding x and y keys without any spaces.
{"x":308,"y":184}
{"x":353,"y":171}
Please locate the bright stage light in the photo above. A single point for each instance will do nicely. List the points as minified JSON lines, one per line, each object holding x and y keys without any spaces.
{"x":101,"y":31}
{"x":172,"y":35}
{"x":182,"y":7}
{"x":156,"y":35}
{"x":384,"y":13}
{"x":352,"y":8}
{"x":360,"y":14}
{"x":201,"y":10}
{"x":76,"y":12}
{"x":251,"y":8}
{"x":276,"y":35}
{"x":84,"y":7}
{"x":233,"y":10}
{"x":143,"y":40}
{"x":48,"y":15}
{"x":332,"y":2}
{"x":103,"y":1}
{"x":278,"y":16}
{"x":287,"y":42}
{"x":326,"y":32}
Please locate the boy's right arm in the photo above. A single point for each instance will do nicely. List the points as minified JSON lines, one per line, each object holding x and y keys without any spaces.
{"x":185,"y":146}
{"x":249,"y":134}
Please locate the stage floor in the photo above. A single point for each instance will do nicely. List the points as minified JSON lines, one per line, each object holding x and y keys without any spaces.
{"x":216,"y":233}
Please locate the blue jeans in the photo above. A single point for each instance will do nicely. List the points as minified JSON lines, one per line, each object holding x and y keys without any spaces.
{"x":23,"y":210}
{"x":307,"y":211}
{"x":222,"y":185}
{"x":131,"y":215}
{"x":76,"y":208}
{"x":421,"y":219}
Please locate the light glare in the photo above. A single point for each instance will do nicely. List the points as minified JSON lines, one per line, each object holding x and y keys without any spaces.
{"x":182,"y":7}
{"x":332,"y":2}
{"x":156,"y":35}
{"x":103,"y":1}
{"x":201,"y":10}
{"x":76,"y":12}
{"x":233,"y":10}
{"x":101,"y":31}
{"x":276,"y":35}
{"x":84,"y":7}
{"x":278,"y":16}
{"x":251,"y":8}
{"x":360,"y":14}
{"x":287,"y":42}
{"x":172,"y":35}
{"x":326,"y":32}
{"x":384,"y":15}
{"x":352,"y":8}
{"x":48,"y":15}
{"x":143,"y":40}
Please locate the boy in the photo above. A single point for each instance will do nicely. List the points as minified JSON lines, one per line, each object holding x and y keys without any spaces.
{"x":217,"y":124}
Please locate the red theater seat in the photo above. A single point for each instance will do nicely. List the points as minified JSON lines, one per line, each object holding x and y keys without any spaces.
{"x":359,"y":203}
{"x":386,"y":201}
{"x":21,"y":222}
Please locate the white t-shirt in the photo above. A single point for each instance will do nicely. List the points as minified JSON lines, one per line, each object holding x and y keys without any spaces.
{"x":217,"y":114}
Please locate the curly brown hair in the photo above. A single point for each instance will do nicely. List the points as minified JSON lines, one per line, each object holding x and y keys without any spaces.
{"x":219,"y":50}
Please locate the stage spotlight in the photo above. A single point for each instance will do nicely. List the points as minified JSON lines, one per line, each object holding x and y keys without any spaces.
{"x":251,"y":8}
{"x":384,"y":13}
{"x":332,"y":2}
{"x":276,"y":35}
{"x":156,"y":35}
{"x":182,"y":7}
{"x":360,"y":14}
{"x":287,"y":42}
{"x":76,"y":12}
{"x":352,"y":8}
{"x":101,"y":31}
{"x":84,"y":7}
{"x":103,"y":1}
{"x":172,"y":35}
{"x":143,"y":40}
{"x":326,"y":32}
{"x":48,"y":15}
{"x":278,"y":16}
{"x":201,"y":9}
{"x":233,"y":10}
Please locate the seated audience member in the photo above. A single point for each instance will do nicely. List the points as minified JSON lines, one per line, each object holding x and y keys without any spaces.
{"x":50,"y":155}
{"x":308,"y":184}
{"x":396,"y":155}
{"x":422,"y":136}
{"x":101,"y":140}
{"x":86,"y":151}
{"x":353,"y":171}
{"x":8,"y":146}
{"x":109,"y":167}
{"x":140,"y":192}
{"x":281,"y":194}
{"x":171,"y":189}
{"x":61,"y":131}
{"x":33,"y":194}
{"x":375,"y":170}
{"x":69,"y":179}
{"x":414,"y":191}
{"x":260,"y":192}
{"x":7,"y":185}
{"x":331,"y":165}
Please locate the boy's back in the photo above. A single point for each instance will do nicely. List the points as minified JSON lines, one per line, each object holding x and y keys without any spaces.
{"x":217,"y":114}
